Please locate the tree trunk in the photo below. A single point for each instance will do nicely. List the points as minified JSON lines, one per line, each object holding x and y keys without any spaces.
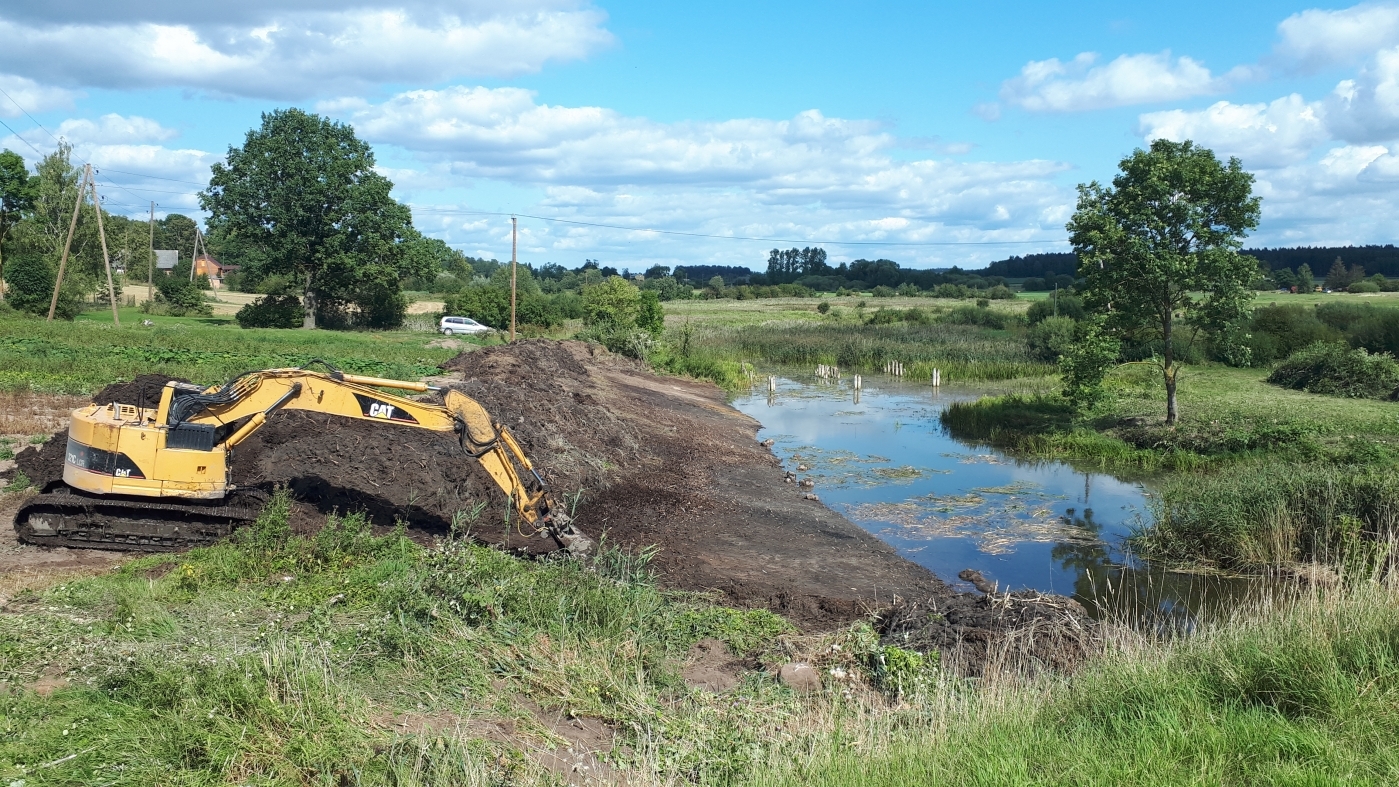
{"x":2,"y":271}
{"x":308,"y":302}
{"x":1168,"y":370}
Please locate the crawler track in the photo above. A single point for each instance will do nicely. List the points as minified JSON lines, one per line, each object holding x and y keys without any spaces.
{"x":64,"y":517}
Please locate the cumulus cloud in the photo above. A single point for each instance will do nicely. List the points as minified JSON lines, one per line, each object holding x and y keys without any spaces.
{"x":1083,"y":84}
{"x":1366,"y":109}
{"x":1316,"y":38}
{"x":26,"y":94}
{"x":1262,"y":135}
{"x":288,"y":51}
{"x":504,"y":134}
{"x":809,"y":176}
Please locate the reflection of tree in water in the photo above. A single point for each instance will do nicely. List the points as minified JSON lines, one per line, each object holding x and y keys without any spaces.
{"x":1166,"y":602}
{"x":1090,"y":561}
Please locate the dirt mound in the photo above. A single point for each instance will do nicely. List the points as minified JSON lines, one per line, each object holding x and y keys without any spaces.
{"x":387,"y":471}
{"x":43,"y":464}
{"x":144,"y":391}
{"x":1022,"y":633}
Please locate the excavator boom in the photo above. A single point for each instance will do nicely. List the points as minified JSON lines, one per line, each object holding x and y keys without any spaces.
{"x":163,"y":464}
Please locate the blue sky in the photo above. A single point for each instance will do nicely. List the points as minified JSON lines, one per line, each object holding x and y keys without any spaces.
{"x":933,"y":134}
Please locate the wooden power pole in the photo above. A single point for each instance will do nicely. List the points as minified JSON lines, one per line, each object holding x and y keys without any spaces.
{"x":72,"y":227}
{"x":150,"y":261}
{"x":512,"y":278}
{"x":106,"y":258}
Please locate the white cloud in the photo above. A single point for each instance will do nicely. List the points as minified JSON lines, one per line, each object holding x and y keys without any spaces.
{"x":113,"y":128}
{"x":31,"y":96}
{"x":272,"y":51}
{"x":1262,"y":135}
{"x":809,"y":176}
{"x":1081,"y":84}
{"x":1316,"y":38}
{"x":1366,"y":109}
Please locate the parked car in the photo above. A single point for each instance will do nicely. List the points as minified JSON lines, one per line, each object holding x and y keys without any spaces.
{"x":451,"y":325}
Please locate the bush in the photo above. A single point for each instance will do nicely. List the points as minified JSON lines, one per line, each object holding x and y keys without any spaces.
{"x":272,"y":311}
{"x":1379,"y":333}
{"x":977,"y":315}
{"x":1070,"y":306}
{"x":1000,"y":293}
{"x":1034,"y":284}
{"x":823,"y":307}
{"x":1279,"y":331}
{"x":29,"y":277}
{"x":883,"y":292}
{"x":1363,"y":286}
{"x":652,"y":317}
{"x":1051,"y":338}
{"x":613,"y":301}
{"x":1333,"y":369}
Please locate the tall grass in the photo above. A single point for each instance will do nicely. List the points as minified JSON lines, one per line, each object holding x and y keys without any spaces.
{"x":82,"y":357}
{"x":961,"y":352}
{"x":1270,"y":512}
{"x":1301,"y":694}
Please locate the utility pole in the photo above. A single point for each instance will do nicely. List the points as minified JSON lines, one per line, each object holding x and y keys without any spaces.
{"x":63,"y":261}
{"x":512,"y":277}
{"x":106,"y":258}
{"x":150,"y":261}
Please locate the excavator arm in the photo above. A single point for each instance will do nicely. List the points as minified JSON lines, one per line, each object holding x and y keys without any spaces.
{"x":179,"y":448}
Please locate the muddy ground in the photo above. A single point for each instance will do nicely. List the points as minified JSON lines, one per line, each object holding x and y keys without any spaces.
{"x":642,"y":460}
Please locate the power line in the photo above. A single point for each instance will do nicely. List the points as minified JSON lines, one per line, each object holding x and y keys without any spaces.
{"x":747,"y":238}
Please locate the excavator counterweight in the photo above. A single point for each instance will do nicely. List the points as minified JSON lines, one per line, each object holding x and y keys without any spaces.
{"x":159,"y":478}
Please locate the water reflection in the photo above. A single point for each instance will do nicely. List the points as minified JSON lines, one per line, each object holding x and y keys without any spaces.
{"x":880,"y":456}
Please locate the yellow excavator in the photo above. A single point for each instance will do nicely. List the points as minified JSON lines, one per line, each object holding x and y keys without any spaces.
{"x":159,"y":478}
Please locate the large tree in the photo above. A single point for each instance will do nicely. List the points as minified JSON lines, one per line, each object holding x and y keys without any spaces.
{"x":301,"y":197}
{"x":1160,"y":250}
{"x":18,"y":190}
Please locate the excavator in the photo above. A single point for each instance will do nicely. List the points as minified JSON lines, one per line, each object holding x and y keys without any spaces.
{"x":159,"y":479}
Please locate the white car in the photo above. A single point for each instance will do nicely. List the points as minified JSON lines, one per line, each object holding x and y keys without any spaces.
{"x":451,"y":325}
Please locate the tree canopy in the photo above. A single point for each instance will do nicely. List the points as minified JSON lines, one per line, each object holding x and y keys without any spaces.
{"x":1159,"y":250}
{"x":301,"y":198}
{"x":18,"y":190}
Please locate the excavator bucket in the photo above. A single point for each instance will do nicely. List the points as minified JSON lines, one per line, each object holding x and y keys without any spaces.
{"x":500,"y":455}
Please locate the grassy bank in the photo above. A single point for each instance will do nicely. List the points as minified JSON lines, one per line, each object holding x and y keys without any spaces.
{"x":346,"y":658}
{"x":1302,"y":695}
{"x":82,"y":357}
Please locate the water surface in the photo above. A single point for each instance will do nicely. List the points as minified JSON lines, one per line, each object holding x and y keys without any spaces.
{"x":883,"y":460}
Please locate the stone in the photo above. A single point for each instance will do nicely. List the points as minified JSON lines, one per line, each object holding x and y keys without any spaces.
{"x":799,"y":677}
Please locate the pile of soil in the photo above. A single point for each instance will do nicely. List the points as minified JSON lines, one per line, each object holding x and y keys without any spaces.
{"x":1021,"y":633}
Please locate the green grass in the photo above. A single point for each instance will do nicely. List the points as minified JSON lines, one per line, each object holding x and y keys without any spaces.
{"x":83,"y":356}
{"x":1308,"y":694}
{"x":277,"y":659}
{"x":346,"y":658}
{"x":962,"y":352}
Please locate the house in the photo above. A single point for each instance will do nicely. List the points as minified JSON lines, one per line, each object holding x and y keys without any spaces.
{"x":166,"y":260}
{"x":205,"y":265}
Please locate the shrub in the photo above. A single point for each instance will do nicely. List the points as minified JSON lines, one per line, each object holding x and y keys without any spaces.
{"x":977,"y":315}
{"x":1363,"y":286}
{"x":883,"y":292}
{"x":823,"y":307}
{"x":1070,"y":306}
{"x":29,"y":281}
{"x":613,"y":301}
{"x":652,"y":316}
{"x":1279,"y":331}
{"x":1051,"y":338}
{"x":1333,"y":369}
{"x":1034,"y":284}
{"x":1379,"y":333}
{"x":272,"y":311}
{"x":1000,"y":293}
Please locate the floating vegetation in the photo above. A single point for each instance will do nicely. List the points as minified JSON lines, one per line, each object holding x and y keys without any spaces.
{"x":907,"y":472}
{"x":1014,"y":488}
